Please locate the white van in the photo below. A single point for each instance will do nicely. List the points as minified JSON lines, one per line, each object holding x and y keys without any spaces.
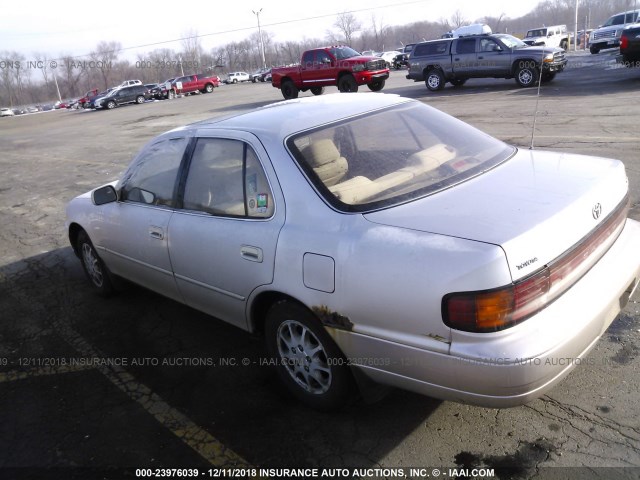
{"x":608,"y":34}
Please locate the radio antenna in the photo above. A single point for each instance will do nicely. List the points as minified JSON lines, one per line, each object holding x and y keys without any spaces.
{"x":535,"y":113}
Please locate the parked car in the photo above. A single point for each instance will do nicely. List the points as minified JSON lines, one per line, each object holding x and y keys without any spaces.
{"x":199,"y":83}
{"x":608,"y":34}
{"x":552,"y":36}
{"x":400,"y":60}
{"x":87,"y":97}
{"x":388,"y":57}
{"x":130,"y":83}
{"x":408,"y":48}
{"x":374,"y":237}
{"x":150,"y":87}
{"x":258,"y":75}
{"x":90,"y":101}
{"x":6,"y":112}
{"x":235,"y":77}
{"x":161,"y":92}
{"x":630,"y":47}
{"x":121,"y":96}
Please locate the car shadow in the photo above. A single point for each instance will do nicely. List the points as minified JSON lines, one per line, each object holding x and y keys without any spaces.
{"x":212,"y":372}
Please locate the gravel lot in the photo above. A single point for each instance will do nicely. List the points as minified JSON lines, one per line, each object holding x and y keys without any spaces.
{"x":136,"y":414}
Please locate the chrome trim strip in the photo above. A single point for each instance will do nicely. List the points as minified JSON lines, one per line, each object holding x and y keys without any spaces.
{"x":210,"y":287}
{"x":138,"y":262}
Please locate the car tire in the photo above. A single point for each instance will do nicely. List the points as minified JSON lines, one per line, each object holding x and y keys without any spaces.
{"x":140,"y":99}
{"x":458,"y":82}
{"x":435,"y":80}
{"x":317,"y":90}
{"x":594,"y":50}
{"x":208,"y":88}
{"x":111,"y":105}
{"x":289,"y":90}
{"x":527,"y":75}
{"x":376,"y":85}
{"x":564,"y":44}
{"x":347,"y":84}
{"x":95,"y":270}
{"x":235,"y":80}
{"x":307,"y":360}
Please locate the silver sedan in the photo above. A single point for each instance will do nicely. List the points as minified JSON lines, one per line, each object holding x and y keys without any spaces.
{"x":374,"y":240}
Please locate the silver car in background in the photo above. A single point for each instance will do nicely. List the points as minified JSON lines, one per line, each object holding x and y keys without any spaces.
{"x":370,"y":237}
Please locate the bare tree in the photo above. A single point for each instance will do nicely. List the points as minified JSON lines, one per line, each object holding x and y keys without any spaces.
{"x":42,"y":60}
{"x":105,"y":56}
{"x":191,"y":50}
{"x":71,"y":72}
{"x":379,"y":33}
{"x":163,"y":63}
{"x":7,"y":78}
{"x":458,"y":20}
{"x":347,"y":25}
{"x":494,"y":22}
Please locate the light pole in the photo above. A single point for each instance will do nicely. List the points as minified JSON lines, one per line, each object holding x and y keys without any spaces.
{"x":257,"y":14}
{"x":575,"y":30}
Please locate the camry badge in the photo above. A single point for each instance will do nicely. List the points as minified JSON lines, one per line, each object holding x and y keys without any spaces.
{"x":596,"y":211}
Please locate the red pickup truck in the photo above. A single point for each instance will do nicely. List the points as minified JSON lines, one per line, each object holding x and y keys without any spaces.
{"x":193,"y":83}
{"x":321,"y":67}
{"x":86,"y":98}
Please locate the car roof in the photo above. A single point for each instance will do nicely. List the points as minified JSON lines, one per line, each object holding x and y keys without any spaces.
{"x":291,"y":116}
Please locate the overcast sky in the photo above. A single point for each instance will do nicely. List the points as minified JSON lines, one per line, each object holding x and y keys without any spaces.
{"x":76,"y":26}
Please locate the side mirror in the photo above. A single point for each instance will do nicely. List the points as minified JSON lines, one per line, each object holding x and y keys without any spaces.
{"x":103,"y":195}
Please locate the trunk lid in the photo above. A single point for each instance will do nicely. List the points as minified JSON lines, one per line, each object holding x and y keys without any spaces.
{"x":535,"y":206}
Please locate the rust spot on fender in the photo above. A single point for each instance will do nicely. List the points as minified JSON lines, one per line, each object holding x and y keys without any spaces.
{"x":332,"y":319}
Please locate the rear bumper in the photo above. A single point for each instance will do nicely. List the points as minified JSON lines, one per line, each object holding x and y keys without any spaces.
{"x":517,"y":365}
{"x":629,"y":61}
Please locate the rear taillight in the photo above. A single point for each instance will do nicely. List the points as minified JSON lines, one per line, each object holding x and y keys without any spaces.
{"x":504,"y":307}
{"x":624,"y":42}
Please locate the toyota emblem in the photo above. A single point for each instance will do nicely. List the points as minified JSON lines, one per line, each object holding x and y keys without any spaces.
{"x":596,"y":211}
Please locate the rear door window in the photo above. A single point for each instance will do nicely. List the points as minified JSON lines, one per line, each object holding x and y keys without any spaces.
{"x":226,"y":179}
{"x":466,"y":45}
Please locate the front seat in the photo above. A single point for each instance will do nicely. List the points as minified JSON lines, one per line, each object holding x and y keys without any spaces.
{"x":323,"y":156}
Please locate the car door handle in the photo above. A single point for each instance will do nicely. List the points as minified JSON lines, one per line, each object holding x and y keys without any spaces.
{"x":156,"y":232}
{"x":480,"y":58}
{"x":253,"y":254}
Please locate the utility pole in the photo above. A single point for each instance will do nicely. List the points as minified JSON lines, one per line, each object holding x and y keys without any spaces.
{"x":575,"y":29}
{"x":257,"y":14}
{"x":55,"y":80}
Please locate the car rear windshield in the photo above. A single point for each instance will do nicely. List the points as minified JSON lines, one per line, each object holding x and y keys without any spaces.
{"x":392,"y":156}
